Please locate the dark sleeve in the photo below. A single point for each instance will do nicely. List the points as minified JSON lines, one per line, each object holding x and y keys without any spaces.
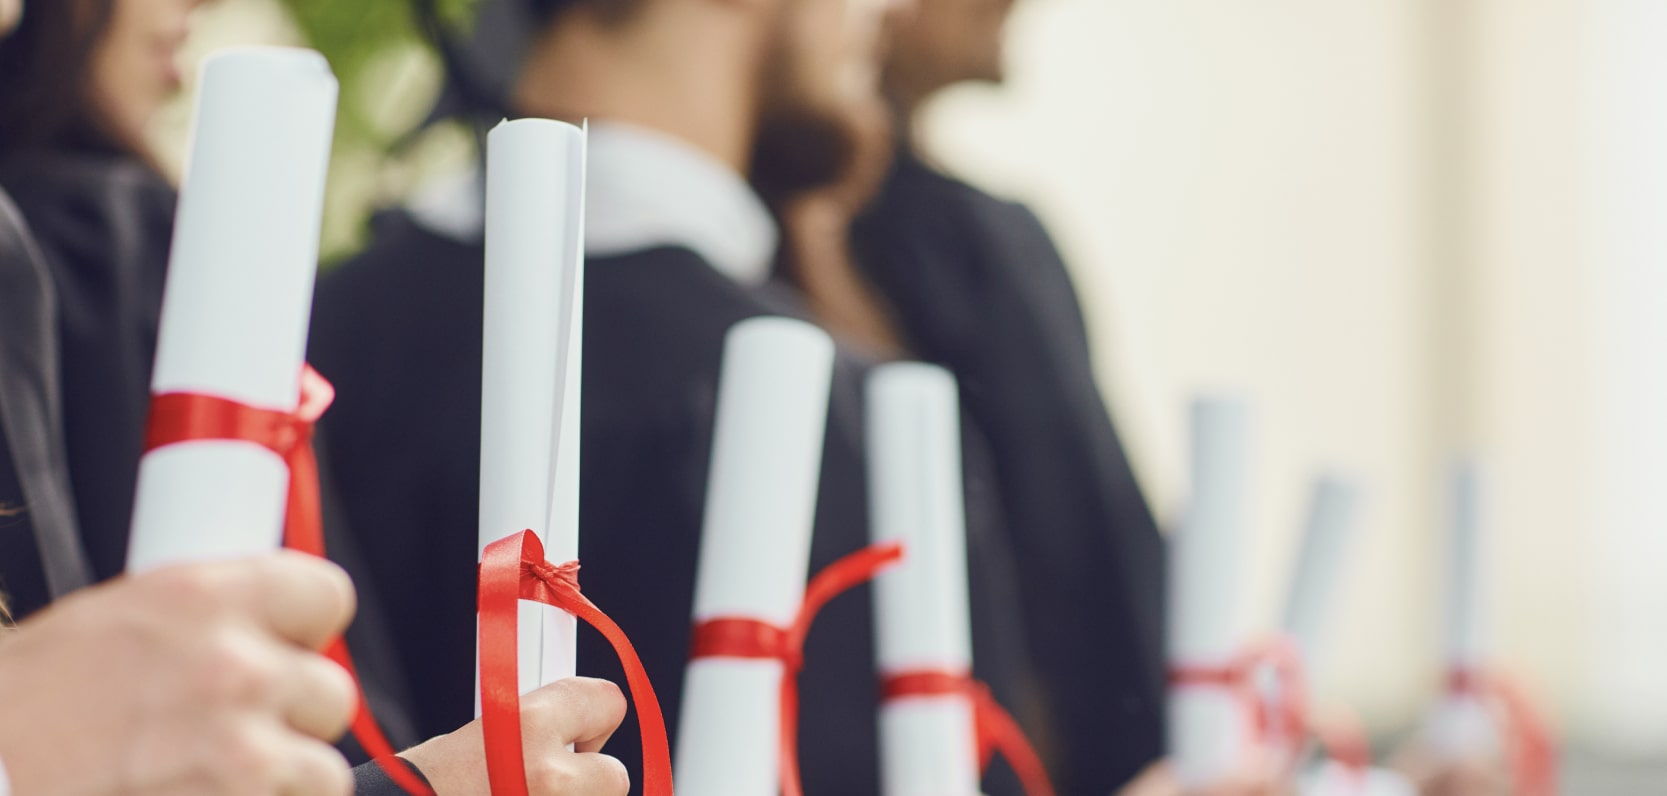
{"x":103,"y":226}
{"x":1085,"y":534}
{"x":371,"y":780}
{"x":982,"y":289}
{"x":36,"y":515}
{"x":375,"y":660}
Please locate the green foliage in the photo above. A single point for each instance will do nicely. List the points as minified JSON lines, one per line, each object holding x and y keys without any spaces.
{"x":354,"y":35}
{"x":388,"y":80}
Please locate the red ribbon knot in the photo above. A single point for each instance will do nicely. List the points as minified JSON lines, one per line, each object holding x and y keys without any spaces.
{"x":742,"y":637}
{"x":195,"y":417}
{"x":1284,"y":715}
{"x":511,"y":570}
{"x":994,"y":728}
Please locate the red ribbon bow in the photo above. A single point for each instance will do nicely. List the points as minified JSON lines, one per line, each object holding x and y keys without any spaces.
{"x":194,"y":417}
{"x":511,"y":570}
{"x":1283,"y":718}
{"x":995,"y":728}
{"x":741,"y":637}
{"x":1533,"y":755}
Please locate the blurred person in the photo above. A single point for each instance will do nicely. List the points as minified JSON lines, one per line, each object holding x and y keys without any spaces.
{"x":81,"y":273}
{"x":82,"y":80}
{"x":684,"y":98}
{"x":901,"y":257}
{"x":904,"y":259}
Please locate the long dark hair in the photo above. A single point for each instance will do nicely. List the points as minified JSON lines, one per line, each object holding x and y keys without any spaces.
{"x":44,"y":68}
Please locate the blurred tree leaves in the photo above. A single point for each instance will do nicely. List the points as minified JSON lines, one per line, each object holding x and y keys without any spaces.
{"x":389,"y":78}
{"x":359,"y":37}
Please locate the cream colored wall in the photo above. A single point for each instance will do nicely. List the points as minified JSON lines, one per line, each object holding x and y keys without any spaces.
{"x":1362,"y":217}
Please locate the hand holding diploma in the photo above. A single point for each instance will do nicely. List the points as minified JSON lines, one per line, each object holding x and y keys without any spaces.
{"x":1160,"y":779}
{"x":1434,"y":776}
{"x":579,"y":712}
{"x":1209,"y":722}
{"x":200,"y":678}
{"x":1484,"y":729}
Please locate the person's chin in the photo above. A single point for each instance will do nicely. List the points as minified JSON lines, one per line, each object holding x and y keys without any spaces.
{"x":799,"y":149}
{"x":11,"y":13}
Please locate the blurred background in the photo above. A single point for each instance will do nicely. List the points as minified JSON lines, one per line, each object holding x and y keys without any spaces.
{"x":1403,"y":229}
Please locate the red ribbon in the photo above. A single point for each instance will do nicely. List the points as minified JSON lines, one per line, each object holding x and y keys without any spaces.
{"x":995,"y":729}
{"x":1284,"y":718}
{"x":194,"y":417}
{"x":511,"y":570}
{"x":741,"y":637}
{"x":1271,"y":720}
{"x":1533,"y":754}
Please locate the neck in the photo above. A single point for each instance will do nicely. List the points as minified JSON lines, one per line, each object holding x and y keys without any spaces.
{"x":679,"y":68}
{"x":906,"y":93}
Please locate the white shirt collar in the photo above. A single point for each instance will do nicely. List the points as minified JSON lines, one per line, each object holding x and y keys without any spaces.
{"x":644,"y":189}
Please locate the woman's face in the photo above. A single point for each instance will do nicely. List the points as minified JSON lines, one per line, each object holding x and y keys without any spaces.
{"x":135,"y":64}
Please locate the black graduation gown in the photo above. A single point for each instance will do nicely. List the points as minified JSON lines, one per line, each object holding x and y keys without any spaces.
{"x":104,"y":224}
{"x":37,"y":512}
{"x":978,"y":286}
{"x":398,"y":331}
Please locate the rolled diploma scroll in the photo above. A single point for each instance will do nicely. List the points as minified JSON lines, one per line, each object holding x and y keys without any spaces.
{"x":562,"y":543}
{"x":755,"y":547}
{"x":238,"y":299}
{"x":927,"y":743}
{"x":534,"y":194}
{"x":1462,"y":726}
{"x":1326,"y":542}
{"x":1208,"y":730}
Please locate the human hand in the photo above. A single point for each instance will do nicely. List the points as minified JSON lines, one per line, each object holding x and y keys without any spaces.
{"x":1436,"y":775}
{"x":578,"y":711}
{"x":1159,"y":779}
{"x":192,"y":679}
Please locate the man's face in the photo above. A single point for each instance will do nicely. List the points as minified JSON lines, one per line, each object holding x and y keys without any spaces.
{"x":948,"y":41}
{"x":822,"y":76}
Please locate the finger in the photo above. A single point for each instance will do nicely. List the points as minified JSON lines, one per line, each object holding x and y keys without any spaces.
{"x":562,"y":774}
{"x":1157,"y":780}
{"x":578,"y":710}
{"x":319,"y":697}
{"x":314,"y":767}
{"x":304,"y":599}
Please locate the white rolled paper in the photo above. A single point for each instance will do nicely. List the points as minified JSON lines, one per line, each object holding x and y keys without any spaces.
{"x":755,"y":547}
{"x":1208,"y":731}
{"x":1326,"y":542}
{"x":529,"y":357}
{"x":238,"y":299}
{"x":921,"y":618}
{"x":1463,"y":726}
{"x":560,"y":628}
